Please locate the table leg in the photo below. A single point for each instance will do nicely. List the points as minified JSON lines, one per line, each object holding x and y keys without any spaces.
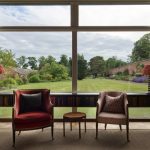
{"x":85,"y":123}
{"x":64,"y":126}
{"x":79,"y":130}
{"x":71,"y":125}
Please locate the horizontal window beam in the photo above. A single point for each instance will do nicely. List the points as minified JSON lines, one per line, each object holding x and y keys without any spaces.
{"x":84,"y":2}
{"x":65,"y":28}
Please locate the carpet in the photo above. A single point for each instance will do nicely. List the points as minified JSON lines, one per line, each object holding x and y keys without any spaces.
{"x":108,"y":140}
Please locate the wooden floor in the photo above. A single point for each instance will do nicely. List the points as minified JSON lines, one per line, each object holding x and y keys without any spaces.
{"x":110,"y":139}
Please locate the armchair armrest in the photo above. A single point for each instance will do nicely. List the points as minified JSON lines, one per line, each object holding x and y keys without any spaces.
{"x":99,"y":106}
{"x":126,"y":106}
{"x":50,"y":107}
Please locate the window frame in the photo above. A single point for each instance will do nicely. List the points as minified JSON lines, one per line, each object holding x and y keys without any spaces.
{"x":74,"y":25}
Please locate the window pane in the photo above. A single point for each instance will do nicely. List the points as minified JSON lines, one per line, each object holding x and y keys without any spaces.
{"x":114,"y":15}
{"x":35,"y":60}
{"x":34,"y":15}
{"x":112,"y":61}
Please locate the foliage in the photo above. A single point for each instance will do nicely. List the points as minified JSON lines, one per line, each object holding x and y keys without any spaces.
{"x":57,"y":71}
{"x":141,"y":49}
{"x":64,"y":60}
{"x":7,"y":58}
{"x":140,"y":79}
{"x":46,"y":77}
{"x":32,"y":62}
{"x":42,"y":61}
{"x":34,"y":79}
{"x":82,"y":67}
{"x":19,"y":81}
{"x":2,"y":70}
{"x":21,"y":62}
{"x":9,"y":82}
{"x":97,"y":66}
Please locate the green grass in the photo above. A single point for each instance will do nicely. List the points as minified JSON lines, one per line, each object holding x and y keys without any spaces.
{"x":86,"y":85}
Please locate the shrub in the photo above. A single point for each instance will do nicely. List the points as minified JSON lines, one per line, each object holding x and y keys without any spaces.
{"x":25,"y":80}
{"x":141,"y":79}
{"x":138,"y":74}
{"x":34,"y":79}
{"x":19,"y":81}
{"x":9,"y":82}
{"x":46,"y":77}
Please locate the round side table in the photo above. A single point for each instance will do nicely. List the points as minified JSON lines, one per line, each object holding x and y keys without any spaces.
{"x":74,"y":117}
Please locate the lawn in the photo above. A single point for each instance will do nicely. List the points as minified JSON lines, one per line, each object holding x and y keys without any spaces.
{"x":87,"y":85}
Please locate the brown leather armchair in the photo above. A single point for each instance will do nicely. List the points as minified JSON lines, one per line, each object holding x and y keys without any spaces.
{"x":112,"y":108}
{"x":32,"y":110}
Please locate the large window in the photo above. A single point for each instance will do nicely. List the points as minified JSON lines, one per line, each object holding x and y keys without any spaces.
{"x":114,"y":15}
{"x":35,"y":15}
{"x":74,"y":46}
{"x":105,"y":62}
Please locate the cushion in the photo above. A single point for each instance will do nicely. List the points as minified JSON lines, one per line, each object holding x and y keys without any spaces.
{"x":114,"y":104}
{"x":30,"y":102}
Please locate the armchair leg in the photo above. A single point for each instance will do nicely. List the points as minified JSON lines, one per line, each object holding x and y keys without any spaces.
{"x":105,"y":125}
{"x":120,"y":127}
{"x":14,"y":134}
{"x":127,"y":128}
{"x":96,"y":129}
{"x":52,"y":132}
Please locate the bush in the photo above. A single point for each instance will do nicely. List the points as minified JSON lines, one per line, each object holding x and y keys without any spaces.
{"x":46,"y":77}
{"x":9,"y":82}
{"x":19,"y":81}
{"x":34,"y":79}
{"x":31,"y":74}
{"x":141,"y":79}
{"x":25,"y":80}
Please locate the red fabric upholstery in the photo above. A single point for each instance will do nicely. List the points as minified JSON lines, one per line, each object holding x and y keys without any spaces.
{"x":32,"y":120}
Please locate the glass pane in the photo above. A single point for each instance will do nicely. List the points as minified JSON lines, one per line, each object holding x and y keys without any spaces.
{"x":5,"y":112}
{"x":35,"y":60}
{"x":60,"y":111}
{"x":139,"y":112}
{"x":113,"y":61}
{"x":90,"y":111}
{"x":34,"y":15}
{"x":114,"y":15}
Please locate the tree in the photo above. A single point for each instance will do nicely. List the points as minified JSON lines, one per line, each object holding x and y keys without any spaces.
{"x":32,"y":62}
{"x":42,"y":61}
{"x":141,"y":49}
{"x":64,"y":60}
{"x":70,"y":66}
{"x":7,"y":58}
{"x":57,"y":71}
{"x":82,"y":67}
{"x":113,"y":62}
{"x":97,"y":66}
{"x":50,"y":59}
{"x":21,"y":62}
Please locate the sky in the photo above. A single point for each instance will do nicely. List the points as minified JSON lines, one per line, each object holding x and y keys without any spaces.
{"x":90,"y":44}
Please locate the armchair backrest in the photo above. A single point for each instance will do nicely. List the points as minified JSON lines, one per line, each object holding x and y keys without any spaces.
{"x":45,"y":97}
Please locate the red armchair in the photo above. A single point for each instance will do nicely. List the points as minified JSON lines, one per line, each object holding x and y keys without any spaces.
{"x":32,"y":110}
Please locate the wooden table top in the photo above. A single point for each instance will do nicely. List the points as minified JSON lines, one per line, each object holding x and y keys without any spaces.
{"x":74,"y":115}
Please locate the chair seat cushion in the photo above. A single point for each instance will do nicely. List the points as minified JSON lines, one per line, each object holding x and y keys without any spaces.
{"x":112,"y":118}
{"x":32,"y":120}
{"x":32,"y":117}
{"x":114,"y":104}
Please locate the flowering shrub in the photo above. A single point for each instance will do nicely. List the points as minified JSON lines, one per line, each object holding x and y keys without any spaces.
{"x":141,"y":79}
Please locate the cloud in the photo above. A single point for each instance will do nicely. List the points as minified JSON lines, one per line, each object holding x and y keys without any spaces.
{"x":106,"y":44}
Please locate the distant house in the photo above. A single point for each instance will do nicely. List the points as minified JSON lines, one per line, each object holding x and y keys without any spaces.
{"x":132,"y":68}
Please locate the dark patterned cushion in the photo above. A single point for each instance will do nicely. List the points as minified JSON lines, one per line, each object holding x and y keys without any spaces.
{"x":31,"y":102}
{"x":114,"y":104}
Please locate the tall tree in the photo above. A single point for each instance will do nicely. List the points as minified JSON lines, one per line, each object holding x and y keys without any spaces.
{"x":42,"y":61}
{"x":64,"y":60}
{"x":32,"y":62}
{"x":7,"y":58}
{"x":50,"y":59}
{"x":97,"y":66}
{"x":82,"y":67}
{"x":21,"y":62}
{"x":141,"y":49}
